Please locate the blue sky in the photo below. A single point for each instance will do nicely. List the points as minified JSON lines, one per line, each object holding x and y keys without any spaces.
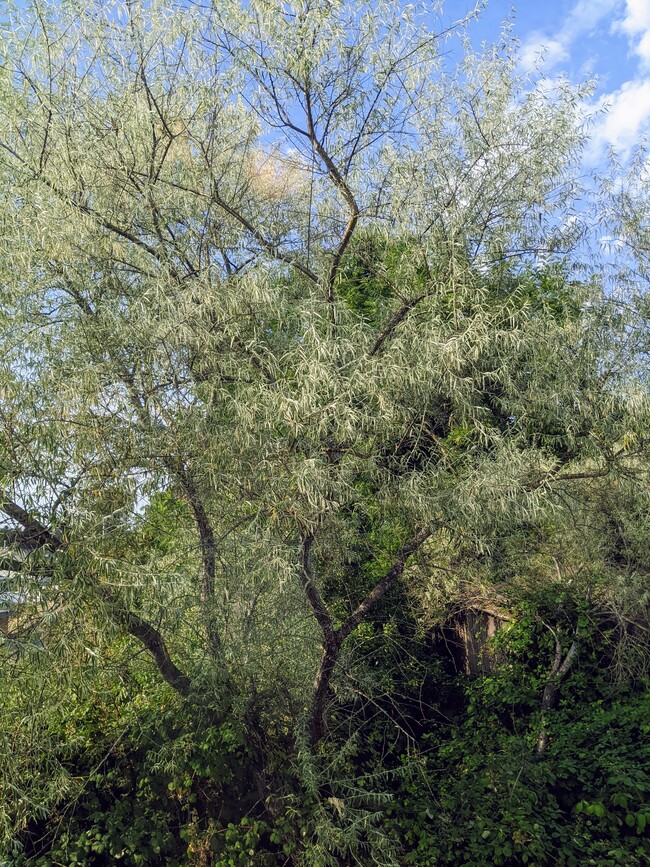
{"x":580,"y":39}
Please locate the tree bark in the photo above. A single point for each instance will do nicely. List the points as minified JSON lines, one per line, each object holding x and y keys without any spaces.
{"x":152,"y":639}
{"x":321,"y":690}
{"x":330,"y":646}
{"x":208,"y":557}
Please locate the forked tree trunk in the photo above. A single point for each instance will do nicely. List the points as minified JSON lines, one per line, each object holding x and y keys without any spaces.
{"x":551,"y":694}
{"x":333,"y":638}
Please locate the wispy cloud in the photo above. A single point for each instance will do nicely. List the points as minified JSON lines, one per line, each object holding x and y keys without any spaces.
{"x":623,"y":113}
{"x":635,"y":24}
{"x":540,"y":51}
{"x":546,"y":50}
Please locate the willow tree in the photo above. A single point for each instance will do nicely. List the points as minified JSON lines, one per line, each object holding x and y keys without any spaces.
{"x":283,"y":263}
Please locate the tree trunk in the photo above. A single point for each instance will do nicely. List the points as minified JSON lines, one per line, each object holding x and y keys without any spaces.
{"x":321,"y":689}
{"x":333,"y":638}
{"x":550,"y":698}
{"x":551,"y":693}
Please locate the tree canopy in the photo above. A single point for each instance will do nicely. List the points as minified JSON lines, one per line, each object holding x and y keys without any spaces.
{"x":298,"y":327}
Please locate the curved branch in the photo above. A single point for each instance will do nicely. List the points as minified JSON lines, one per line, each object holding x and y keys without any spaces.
{"x":38,"y":534}
{"x":341,"y":184}
{"x":152,"y":639}
{"x":379,"y":590}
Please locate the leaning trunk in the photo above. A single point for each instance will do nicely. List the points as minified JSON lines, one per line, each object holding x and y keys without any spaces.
{"x":321,"y":689}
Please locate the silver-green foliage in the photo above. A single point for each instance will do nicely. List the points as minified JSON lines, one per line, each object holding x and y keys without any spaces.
{"x":182,"y":187}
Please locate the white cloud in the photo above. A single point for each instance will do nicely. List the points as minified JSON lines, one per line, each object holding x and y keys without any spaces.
{"x":635,"y":24}
{"x":637,"y":16}
{"x":541,"y":52}
{"x":627,"y":117}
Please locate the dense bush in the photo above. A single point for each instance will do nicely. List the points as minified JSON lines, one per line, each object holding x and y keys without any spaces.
{"x":490,"y":799}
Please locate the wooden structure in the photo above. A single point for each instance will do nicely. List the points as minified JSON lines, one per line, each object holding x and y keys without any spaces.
{"x":466,"y":635}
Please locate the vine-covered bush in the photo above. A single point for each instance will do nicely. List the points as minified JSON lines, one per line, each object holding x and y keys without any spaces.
{"x":491,"y":799}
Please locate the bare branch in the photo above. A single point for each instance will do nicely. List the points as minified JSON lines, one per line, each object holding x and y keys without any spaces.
{"x":341,"y":184}
{"x":551,"y":478}
{"x":397,"y":317}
